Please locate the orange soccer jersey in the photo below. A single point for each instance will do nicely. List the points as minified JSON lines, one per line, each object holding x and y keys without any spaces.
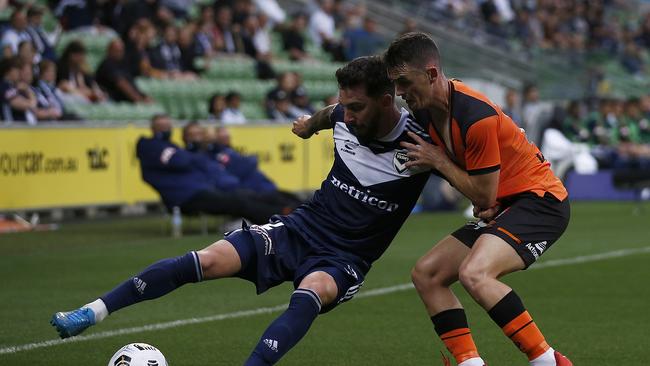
{"x":484,"y":140}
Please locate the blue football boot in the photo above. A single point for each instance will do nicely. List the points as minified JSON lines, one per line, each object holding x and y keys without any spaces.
{"x":71,"y":323}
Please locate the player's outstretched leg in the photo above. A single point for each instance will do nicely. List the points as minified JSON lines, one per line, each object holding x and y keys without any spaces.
{"x":216,"y":261}
{"x":315,"y":290}
{"x":432,"y":276}
{"x":490,"y":258}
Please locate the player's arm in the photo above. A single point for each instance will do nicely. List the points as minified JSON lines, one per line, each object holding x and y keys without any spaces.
{"x":480,"y":189}
{"x":305,"y":126}
{"x":480,"y":180}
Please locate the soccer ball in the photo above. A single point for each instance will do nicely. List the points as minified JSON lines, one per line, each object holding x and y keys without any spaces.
{"x":138,"y":354}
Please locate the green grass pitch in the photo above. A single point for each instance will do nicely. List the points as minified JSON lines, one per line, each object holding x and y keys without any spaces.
{"x":594,"y":311}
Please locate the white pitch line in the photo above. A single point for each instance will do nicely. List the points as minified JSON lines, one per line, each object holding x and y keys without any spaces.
{"x":274,"y":309}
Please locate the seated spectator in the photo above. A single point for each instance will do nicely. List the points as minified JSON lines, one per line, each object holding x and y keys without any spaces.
{"x":282,"y":109}
{"x":27,"y":54}
{"x":362,"y":41}
{"x":322,"y":30}
{"x":232,"y":115}
{"x":167,"y":56}
{"x":140,"y":37}
{"x":16,"y":33}
{"x":40,"y":39}
{"x":293,"y":39}
{"x":48,"y":95}
{"x":216,"y":106}
{"x":18,"y":100}
{"x":287,"y":82}
{"x":300,"y":99}
{"x":116,"y":78}
{"x":189,"y":180}
{"x":257,"y":44}
{"x":74,"y":78}
{"x":41,"y":112}
{"x":190,"y":49}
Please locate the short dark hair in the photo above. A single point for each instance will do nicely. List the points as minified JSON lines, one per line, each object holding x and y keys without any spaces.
{"x":7,"y":64}
{"x":413,"y":48}
{"x":189,"y":125}
{"x":368,"y":71}
{"x":232,"y":95}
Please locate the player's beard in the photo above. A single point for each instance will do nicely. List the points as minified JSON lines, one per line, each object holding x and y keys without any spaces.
{"x":368,"y":132}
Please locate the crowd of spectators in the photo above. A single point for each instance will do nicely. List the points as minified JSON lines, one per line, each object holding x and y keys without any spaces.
{"x":614,"y":131}
{"x":162,"y":39}
{"x":575,"y":27}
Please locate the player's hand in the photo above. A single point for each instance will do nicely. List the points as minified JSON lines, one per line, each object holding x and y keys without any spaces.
{"x":302,"y":127}
{"x":424,"y":154}
{"x":486,"y":214}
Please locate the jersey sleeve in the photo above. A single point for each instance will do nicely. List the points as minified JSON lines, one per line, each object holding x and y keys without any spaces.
{"x":336,"y":115}
{"x":482,"y":147}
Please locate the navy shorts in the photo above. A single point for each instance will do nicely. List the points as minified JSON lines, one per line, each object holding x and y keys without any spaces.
{"x":529,"y":223}
{"x":272,"y":254}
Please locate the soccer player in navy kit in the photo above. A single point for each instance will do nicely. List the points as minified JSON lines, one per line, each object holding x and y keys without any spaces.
{"x":326,"y":246}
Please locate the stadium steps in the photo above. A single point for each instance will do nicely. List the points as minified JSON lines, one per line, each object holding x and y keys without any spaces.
{"x":189,"y":99}
{"x":110,"y":111}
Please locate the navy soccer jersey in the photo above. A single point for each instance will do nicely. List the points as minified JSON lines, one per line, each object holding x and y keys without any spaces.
{"x":367,"y":196}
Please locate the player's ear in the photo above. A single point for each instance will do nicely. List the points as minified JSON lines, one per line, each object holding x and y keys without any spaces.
{"x":432,"y":72}
{"x":386,"y":100}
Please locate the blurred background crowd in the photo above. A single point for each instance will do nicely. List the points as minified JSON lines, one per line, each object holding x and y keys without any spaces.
{"x":574,"y":74}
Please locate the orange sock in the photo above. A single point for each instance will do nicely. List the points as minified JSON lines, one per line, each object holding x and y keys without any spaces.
{"x":460,"y":343}
{"x":523,"y":331}
{"x":451,"y":326}
{"x":517,"y":324}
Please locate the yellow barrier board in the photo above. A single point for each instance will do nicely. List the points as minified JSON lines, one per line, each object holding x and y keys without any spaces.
{"x":67,"y":167}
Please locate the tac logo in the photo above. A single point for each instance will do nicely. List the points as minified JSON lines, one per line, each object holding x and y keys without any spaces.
{"x":97,"y":158}
{"x":399,"y":161}
{"x":286,"y":151}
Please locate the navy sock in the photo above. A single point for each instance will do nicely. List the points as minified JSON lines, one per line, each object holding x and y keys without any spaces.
{"x":156,"y":280}
{"x":287,"y":329}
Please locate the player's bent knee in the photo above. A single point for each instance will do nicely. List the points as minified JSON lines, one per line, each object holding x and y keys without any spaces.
{"x":429,"y":272}
{"x":322,"y":284}
{"x":219,"y":260}
{"x":472,"y":276}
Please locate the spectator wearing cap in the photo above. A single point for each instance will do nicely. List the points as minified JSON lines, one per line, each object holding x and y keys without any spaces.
{"x":282,"y":109}
{"x":286,"y":82}
{"x":300,"y":99}
{"x":232,"y":115}
{"x":39,"y":38}
{"x":16,"y":33}
{"x":74,"y":78}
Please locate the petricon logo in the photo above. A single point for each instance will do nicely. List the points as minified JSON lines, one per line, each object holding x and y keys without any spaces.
{"x":272,"y":344}
{"x":399,"y":161}
{"x":152,"y":363}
